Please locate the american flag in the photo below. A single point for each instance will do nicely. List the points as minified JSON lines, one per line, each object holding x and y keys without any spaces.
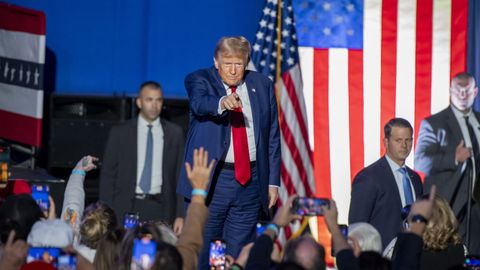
{"x":297,"y":164}
{"x":22,"y":59}
{"x":364,"y":62}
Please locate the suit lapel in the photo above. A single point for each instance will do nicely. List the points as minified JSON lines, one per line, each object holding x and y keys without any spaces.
{"x":217,"y":82}
{"x":254,"y":104}
{"x":133,"y":150}
{"x":454,"y":127}
{"x":167,"y":141}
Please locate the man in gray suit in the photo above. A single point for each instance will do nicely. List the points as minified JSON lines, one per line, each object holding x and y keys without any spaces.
{"x":142,"y":161}
{"x":447,"y":153}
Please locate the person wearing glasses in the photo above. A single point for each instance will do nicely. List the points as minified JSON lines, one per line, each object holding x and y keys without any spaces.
{"x":381,"y":190}
{"x":447,"y":152}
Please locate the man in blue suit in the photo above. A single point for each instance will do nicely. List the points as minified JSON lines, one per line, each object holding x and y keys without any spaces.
{"x":233,"y":115}
{"x":381,"y":190}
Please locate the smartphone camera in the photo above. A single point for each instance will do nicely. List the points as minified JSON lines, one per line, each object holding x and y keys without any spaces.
{"x":305,"y":206}
{"x":40,"y":195}
{"x":130,"y":220}
{"x":143,"y":255}
{"x":217,"y":254}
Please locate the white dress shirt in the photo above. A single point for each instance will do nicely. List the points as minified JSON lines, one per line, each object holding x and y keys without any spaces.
{"x":157,"y":162}
{"x":242,"y":92}
{"x":399,"y":179}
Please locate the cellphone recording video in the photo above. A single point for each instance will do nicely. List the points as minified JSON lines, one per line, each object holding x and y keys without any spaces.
{"x":44,"y":254}
{"x":344,"y":231}
{"x":130,"y":220}
{"x":472,"y":262}
{"x":305,"y":206}
{"x":67,"y":261}
{"x":143,"y":255}
{"x":217,"y":254}
{"x":40,"y":195}
{"x":261,"y":227}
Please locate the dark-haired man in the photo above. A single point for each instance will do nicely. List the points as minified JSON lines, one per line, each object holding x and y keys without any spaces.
{"x":381,"y":190}
{"x":142,"y":161}
{"x":448,"y":154}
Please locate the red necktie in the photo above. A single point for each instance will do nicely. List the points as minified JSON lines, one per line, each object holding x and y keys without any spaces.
{"x":240,"y":145}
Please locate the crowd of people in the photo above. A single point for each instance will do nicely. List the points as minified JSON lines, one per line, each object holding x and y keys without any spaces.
{"x":166,"y":203}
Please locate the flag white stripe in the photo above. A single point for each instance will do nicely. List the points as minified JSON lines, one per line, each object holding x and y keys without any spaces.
{"x":371,"y":79}
{"x":442,"y":10}
{"x":306,"y":65}
{"x":291,"y":169}
{"x":405,"y":83}
{"x":339,"y":129}
{"x":32,"y":49}
{"x":21,"y":100}
{"x":296,"y":76}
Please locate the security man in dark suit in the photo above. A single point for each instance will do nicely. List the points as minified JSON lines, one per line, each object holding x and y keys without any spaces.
{"x":381,"y":190}
{"x":142,"y":162}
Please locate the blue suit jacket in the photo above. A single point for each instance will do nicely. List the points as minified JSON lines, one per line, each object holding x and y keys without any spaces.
{"x":212,"y":130}
{"x":376,"y":200}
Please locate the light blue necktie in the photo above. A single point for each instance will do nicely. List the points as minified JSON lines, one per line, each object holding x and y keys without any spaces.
{"x":146,"y":178}
{"x":407,"y":189}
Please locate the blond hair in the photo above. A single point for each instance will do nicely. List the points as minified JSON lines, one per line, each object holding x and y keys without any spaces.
{"x":442,"y":228}
{"x":233,"y":46}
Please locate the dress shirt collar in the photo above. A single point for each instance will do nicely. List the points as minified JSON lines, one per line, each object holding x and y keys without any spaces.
{"x":458,"y":114}
{"x":143,"y":122}
{"x":393,"y":165}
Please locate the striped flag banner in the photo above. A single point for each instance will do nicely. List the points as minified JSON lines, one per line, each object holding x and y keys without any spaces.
{"x":275,"y":54}
{"x":22,"y":59}
{"x":365,"y":62}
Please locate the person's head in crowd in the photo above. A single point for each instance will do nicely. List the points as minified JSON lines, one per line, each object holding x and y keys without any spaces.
{"x":371,"y":260}
{"x":165,"y":254}
{"x":108,"y":248}
{"x":306,"y":252}
{"x":463,"y":91}
{"x":150,"y":100}
{"x":167,"y":233}
{"x":442,"y":228}
{"x":18,"y":213}
{"x":50,"y":233}
{"x":231,"y":56}
{"x":97,"y":219}
{"x":364,"y":237}
{"x":398,"y":139}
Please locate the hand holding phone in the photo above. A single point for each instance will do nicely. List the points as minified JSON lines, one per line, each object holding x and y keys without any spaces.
{"x":305,"y":206}
{"x":217,"y":254}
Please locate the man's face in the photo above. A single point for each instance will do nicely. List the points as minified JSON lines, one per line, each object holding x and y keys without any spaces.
{"x":150,"y":103}
{"x":230,"y":68}
{"x":399,"y":144}
{"x":463,"y":93}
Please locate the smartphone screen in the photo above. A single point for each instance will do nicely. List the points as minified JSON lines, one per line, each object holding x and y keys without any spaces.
{"x":309,"y":206}
{"x":217,"y":254}
{"x":45,"y":254}
{"x":472,"y":262}
{"x":40,"y":195}
{"x":130,"y":220}
{"x":67,"y":261}
{"x":261,"y":227}
{"x":144,"y":251}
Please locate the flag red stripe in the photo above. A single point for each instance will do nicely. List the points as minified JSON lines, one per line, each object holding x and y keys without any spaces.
{"x":287,"y":180}
{"x":423,"y":62}
{"x":21,"y":128}
{"x":15,"y":18}
{"x":355,"y":105}
{"x":297,"y":159}
{"x":388,"y":63}
{"x":458,"y":45}
{"x":321,"y":124}
{"x":290,"y":87}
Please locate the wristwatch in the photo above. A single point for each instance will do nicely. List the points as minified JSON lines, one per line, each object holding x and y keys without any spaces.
{"x":418,"y":219}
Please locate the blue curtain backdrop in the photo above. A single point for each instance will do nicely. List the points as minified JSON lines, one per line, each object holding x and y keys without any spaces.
{"x":111,"y":46}
{"x":473,"y":62}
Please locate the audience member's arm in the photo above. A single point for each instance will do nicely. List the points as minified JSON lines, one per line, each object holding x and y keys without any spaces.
{"x":14,"y":253}
{"x":74,"y":198}
{"x":260,"y":254}
{"x":343,"y":252}
{"x":190,"y":240}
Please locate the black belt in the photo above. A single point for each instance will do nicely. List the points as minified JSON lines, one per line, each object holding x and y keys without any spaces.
{"x":143,"y":196}
{"x":231,"y":166}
